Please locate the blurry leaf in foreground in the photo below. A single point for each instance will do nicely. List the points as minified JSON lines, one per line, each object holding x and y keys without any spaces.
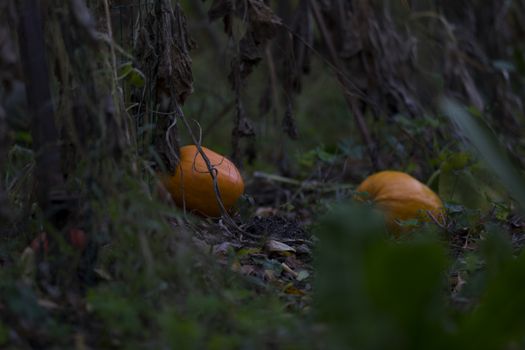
{"x":499,"y":320}
{"x":119,"y":313}
{"x":497,"y":249}
{"x":474,"y":187}
{"x":488,"y":147}
{"x":4,"y":334}
{"x":180,"y":332}
{"x":374,"y":293}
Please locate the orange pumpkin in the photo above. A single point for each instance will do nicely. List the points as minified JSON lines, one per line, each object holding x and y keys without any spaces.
{"x":192,"y":183}
{"x":401,"y":197}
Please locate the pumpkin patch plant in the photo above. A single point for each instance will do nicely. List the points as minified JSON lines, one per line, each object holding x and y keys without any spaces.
{"x":401,"y":197}
{"x":192,"y":185}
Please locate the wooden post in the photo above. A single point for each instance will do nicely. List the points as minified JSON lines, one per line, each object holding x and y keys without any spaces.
{"x":43,"y":129}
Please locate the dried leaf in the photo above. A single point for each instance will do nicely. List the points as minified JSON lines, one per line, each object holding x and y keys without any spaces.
{"x":164,"y":38}
{"x":303,"y":249}
{"x":224,"y":248}
{"x":48,"y":304}
{"x":235,"y":266}
{"x":247,"y":269}
{"x":274,"y":246}
{"x":289,"y":270}
{"x":265,"y":212}
{"x":103,"y":274}
{"x":302,"y":275}
{"x":292,"y":290}
{"x":269,"y":275}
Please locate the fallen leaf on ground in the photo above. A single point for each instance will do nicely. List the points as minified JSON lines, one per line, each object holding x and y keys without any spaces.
{"x":302,"y":275}
{"x":274,"y":246}
{"x":48,"y":304}
{"x":289,"y":270}
{"x":265,"y":212}
{"x":269,"y":275}
{"x":247,"y":269}
{"x":292,"y":290}
{"x":103,"y":274}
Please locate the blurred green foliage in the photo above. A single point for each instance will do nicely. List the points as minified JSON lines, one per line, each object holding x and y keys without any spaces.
{"x":375,"y":293}
{"x":488,"y":148}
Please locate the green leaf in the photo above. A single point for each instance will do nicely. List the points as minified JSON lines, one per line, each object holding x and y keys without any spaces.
{"x":132,"y":75}
{"x":374,"y":293}
{"x":489,"y":149}
{"x":23,"y":137}
{"x":463,"y":188}
{"x":137,"y":78}
{"x":499,"y":320}
{"x":125,"y":69}
{"x":325,"y":156}
{"x":118,"y":312}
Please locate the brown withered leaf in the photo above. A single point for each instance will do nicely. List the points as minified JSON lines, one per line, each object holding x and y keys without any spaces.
{"x":263,"y":21}
{"x":162,"y":48}
{"x":164,"y":40}
{"x":261,"y":26}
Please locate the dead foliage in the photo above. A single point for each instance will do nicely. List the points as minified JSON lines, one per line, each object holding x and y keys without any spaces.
{"x":161,"y":47}
{"x":393,"y":60}
{"x":261,"y":26}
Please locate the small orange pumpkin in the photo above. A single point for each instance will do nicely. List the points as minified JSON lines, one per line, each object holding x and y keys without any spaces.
{"x":401,"y":197}
{"x":192,"y":183}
